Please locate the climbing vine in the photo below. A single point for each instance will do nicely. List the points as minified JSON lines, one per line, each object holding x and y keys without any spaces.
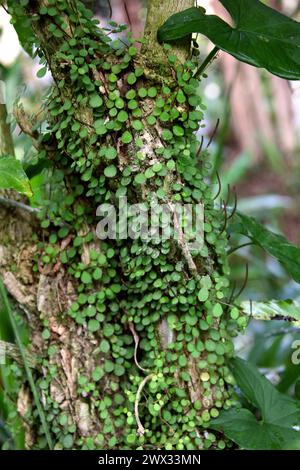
{"x":133,"y":349}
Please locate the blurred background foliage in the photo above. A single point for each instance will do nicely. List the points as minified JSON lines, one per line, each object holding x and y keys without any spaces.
{"x":255,"y":150}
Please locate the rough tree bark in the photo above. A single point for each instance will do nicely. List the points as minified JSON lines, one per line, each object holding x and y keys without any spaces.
{"x":152,"y":372}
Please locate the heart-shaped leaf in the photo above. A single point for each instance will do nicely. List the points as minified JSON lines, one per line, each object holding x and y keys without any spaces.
{"x":280,"y":414}
{"x":276,"y":245}
{"x":261,"y":36}
{"x":241,"y":426}
{"x":275,"y":407}
{"x":12,"y":176}
{"x":273,"y":309}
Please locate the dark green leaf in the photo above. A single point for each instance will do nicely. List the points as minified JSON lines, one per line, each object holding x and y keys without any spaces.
{"x":12,"y":176}
{"x":273,"y":309}
{"x":242,"y":427}
{"x":275,"y":407}
{"x":276,"y":245}
{"x":262,"y":37}
{"x":41,"y":72}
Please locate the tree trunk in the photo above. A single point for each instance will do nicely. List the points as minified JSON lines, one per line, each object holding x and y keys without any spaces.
{"x":131,"y":335}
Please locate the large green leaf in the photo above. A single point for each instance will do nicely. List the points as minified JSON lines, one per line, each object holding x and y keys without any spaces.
{"x":22,"y":25}
{"x":276,"y":245}
{"x":273,"y":310}
{"x":261,"y":36}
{"x":275,"y":407}
{"x":280,"y":414}
{"x":241,"y":426}
{"x":12,"y":176}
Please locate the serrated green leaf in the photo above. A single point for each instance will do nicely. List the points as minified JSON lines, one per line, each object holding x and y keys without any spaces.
{"x":276,"y":245}
{"x":12,"y":176}
{"x":261,"y":36}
